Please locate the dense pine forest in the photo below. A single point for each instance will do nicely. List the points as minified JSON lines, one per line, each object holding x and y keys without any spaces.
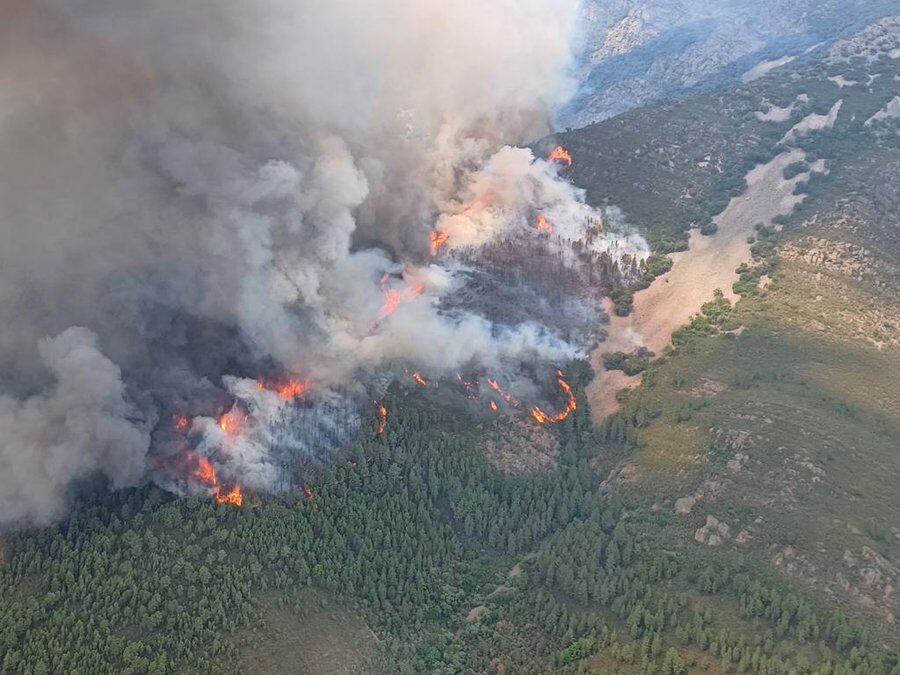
{"x":418,"y":533}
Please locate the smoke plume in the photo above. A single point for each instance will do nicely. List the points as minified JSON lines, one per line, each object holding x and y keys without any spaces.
{"x":228,"y":188}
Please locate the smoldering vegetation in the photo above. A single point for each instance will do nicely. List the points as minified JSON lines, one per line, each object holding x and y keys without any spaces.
{"x":214,"y":192}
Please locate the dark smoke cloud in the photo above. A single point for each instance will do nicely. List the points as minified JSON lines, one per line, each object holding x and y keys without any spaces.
{"x":217,"y":187}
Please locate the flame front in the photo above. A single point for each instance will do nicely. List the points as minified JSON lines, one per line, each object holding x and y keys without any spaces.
{"x":287,"y":391}
{"x":393,"y":298}
{"x":438,"y":241}
{"x":382,"y":418}
{"x":493,"y":384}
{"x":560,"y":156}
{"x":542,"y":417}
{"x":235,"y":496}
{"x":419,"y":380}
{"x":470,"y":388}
{"x":205,"y":473}
{"x":234,"y":422}
{"x":543,"y":224}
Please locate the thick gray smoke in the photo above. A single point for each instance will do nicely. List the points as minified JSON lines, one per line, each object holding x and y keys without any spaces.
{"x":212,"y":184}
{"x":81,"y":426}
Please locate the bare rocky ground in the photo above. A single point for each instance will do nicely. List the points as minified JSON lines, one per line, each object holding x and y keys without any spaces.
{"x":709,"y":264}
{"x":518,"y":447}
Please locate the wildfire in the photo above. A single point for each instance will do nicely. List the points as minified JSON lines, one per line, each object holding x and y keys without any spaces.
{"x":182,"y":423}
{"x":438,"y":241}
{"x":288,"y":391}
{"x":205,"y":473}
{"x":503,"y":394}
{"x":419,"y":380}
{"x":561,"y":156}
{"x":542,"y":417}
{"x":543,"y":224}
{"x":382,"y":417}
{"x":234,"y":422}
{"x":235,"y":496}
{"x":494,"y":406}
{"x":470,"y":388}
{"x":393,"y":298}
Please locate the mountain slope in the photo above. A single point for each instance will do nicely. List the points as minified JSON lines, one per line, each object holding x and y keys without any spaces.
{"x":641,"y":51}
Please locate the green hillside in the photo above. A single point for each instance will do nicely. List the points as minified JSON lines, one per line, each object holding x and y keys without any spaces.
{"x":739,"y":514}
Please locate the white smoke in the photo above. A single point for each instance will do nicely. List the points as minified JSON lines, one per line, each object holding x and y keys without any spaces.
{"x":214,"y":183}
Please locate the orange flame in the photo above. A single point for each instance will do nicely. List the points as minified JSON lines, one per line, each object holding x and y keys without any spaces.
{"x":542,"y":417}
{"x":504,"y":395}
{"x":382,"y":417}
{"x":289,"y":390}
{"x":205,"y":473}
{"x":394,"y":298}
{"x":311,"y":496}
{"x":494,"y":406}
{"x":235,"y":496}
{"x":182,"y":423}
{"x":438,"y":241}
{"x":234,"y":422}
{"x":543,"y":224}
{"x":561,"y":156}
{"x":468,"y":387}
{"x":419,"y":379}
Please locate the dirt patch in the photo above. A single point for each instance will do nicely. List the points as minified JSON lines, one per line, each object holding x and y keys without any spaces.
{"x":521,"y":447}
{"x":476,"y":613}
{"x":327,"y":640}
{"x":708,"y":264}
{"x":707,"y":387}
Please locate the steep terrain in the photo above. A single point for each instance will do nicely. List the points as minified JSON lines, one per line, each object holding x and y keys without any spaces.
{"x":738,"y":513}
{"x":776,"y":419}
{"x":641,"y":51}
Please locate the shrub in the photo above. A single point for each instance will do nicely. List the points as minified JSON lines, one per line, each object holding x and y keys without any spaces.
{"x":795,"y":169}
{"x":709,"y":229}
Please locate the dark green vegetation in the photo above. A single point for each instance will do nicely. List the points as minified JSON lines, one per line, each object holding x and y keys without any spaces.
{"x":630,"y":364}
{"x":674,"y":166}
{"x":777,"y":417}
{"x":414,"y":529}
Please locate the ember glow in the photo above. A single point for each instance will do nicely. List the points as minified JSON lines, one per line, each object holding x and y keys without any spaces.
{"x":234,"y":422}
{"x":235,"y":496}
{"x":542,"y":417}
{"x":382,"y":418}
{"x":493,"y":384}
{"x":393,"y":298}
{"x":419,"y":380}
{"x":543,"y":224}
{"x":438,"y":241}
{"x":560,"y":156}
{"x":494,"y":406}
{"x":182,"y":423}
{"x":205,"y":473}
{"x":287,"y":391}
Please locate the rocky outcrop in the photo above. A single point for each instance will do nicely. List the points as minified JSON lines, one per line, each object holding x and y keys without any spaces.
{"x":641,"y":51}
{"x":713,"y":533}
